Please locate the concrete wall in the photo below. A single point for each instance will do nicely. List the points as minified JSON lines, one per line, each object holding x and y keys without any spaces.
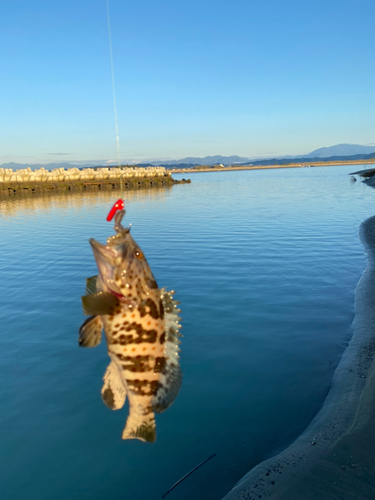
{"x":7,"y":175}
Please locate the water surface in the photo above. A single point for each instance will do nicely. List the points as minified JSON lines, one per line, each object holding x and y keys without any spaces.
{"x":265,"y":264}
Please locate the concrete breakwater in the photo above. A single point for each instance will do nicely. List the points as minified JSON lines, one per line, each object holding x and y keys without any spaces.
{"x":95,"y":178}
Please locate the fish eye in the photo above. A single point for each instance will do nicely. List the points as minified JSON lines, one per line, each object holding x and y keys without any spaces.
{"x":139,"y":254}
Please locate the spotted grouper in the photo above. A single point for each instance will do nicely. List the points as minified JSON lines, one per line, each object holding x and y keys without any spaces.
{"x":141,"y":326}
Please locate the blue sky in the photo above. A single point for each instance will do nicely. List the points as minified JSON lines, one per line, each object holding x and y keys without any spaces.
{"x":193,"y":78}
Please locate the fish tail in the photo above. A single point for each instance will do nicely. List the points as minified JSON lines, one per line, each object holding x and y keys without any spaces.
{"x":142,"y":427}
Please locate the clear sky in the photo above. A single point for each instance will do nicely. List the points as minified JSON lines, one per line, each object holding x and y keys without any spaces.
{"x":193,"y":78}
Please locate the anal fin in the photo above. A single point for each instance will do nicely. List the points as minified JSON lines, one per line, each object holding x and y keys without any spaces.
{"x":90,"y":333}
{"x":113,"y":390}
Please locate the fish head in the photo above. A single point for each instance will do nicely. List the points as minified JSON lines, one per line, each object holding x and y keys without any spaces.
{"x":123,"y":268}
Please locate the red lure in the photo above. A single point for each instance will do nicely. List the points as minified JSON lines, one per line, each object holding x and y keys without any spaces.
{"x":119,"y":205}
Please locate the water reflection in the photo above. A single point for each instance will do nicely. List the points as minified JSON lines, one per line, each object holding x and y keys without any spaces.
{"x":20,"y":202}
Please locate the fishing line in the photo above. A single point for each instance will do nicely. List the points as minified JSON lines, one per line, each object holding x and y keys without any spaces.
{"x":114,"y":92}
{"x":188,"y":474}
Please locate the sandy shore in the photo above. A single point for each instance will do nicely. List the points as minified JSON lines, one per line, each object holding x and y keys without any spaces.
{"x":334,"y":458}
{"x":265,"y":167}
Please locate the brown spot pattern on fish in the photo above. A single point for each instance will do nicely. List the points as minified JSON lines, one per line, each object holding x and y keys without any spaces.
{"x":161,"y":309}
{"x":152,"y":284}
{"x":148,"y":306}
{"x":137,"y":363}
{"x":143,"y":387}
{"x":160,"y":364}
{"x":142,"y":335}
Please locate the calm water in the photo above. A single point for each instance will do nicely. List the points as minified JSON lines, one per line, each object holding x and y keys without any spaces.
{"x":265,"y":264}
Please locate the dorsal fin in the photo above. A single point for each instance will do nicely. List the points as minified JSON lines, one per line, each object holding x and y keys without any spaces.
{"x":171,"y":375}
{"x":91,"y":285}
{"x":170,"y":384}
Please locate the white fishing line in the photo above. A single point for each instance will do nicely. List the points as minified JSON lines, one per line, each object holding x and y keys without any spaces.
{"x":113,"y":82}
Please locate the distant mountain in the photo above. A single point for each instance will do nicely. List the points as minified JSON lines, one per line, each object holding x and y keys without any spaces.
{"x":340,"y":150}
{"x":302,"y":159}
{"x":207,"y":160}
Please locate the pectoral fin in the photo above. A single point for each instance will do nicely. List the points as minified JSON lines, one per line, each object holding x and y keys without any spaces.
{"x":113,"y":391}
{"x":99,"y":303}
{"x":90,"y":333}
{"x":91,"y":285}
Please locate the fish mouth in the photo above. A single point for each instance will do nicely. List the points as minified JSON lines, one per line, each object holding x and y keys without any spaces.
{"x":102,"y":251}
{"x":105,"y":259}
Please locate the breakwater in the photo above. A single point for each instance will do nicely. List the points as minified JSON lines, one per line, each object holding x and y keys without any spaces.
{"x":90,"y":178}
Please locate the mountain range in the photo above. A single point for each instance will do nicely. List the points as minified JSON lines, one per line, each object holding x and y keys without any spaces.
{"x":206,"y":160}
{"x":339,"y":151}
{"x":302,"y":159}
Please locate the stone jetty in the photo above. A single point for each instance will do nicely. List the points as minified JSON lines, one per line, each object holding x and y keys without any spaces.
{"x":88,"y":178}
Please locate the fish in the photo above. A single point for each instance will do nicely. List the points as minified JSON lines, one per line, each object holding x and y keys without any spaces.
{"x":141,"y":324}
